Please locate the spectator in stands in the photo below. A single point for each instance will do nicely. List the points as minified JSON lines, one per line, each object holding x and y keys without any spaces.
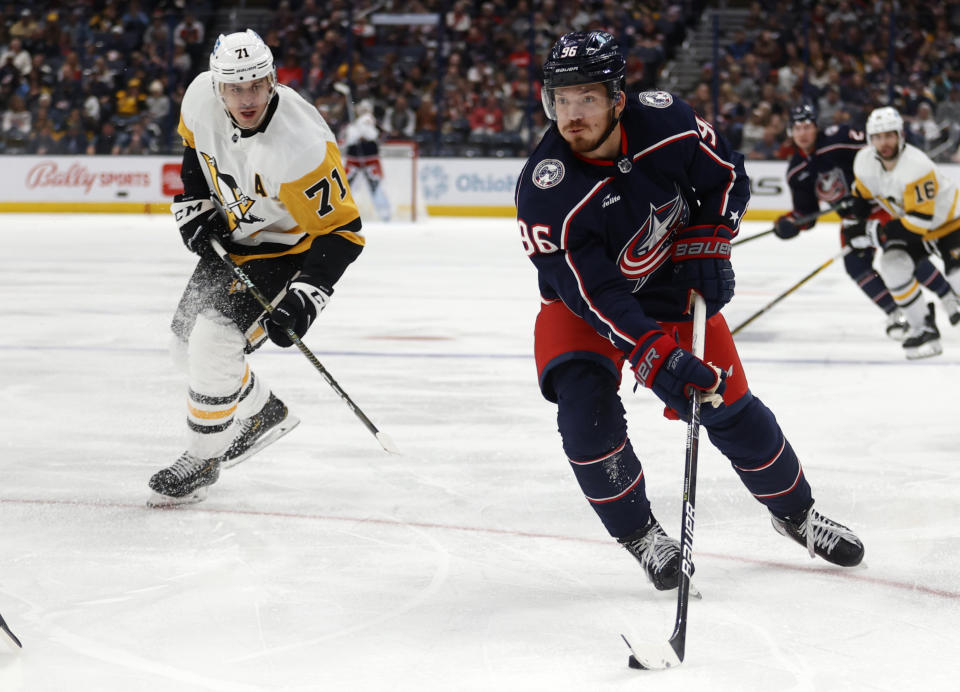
{"x":42,"y":140}
{"x":399,"y":120}
{"x":755,"y":126}
{"x":767,"y":148}
{"x":487,"y":118}
{"x":189,"y":35}
{"x":740,"y":45}
{"x":105,"y":142}
{"x":157,"y":32}
{"x":136,"y":140}
{"x":948,"y":111}
{"x":157,"y":102}
{"x":17,"y":123}
{"x":290,"y":72}
{"x":924,"y":127}
{"x":829,"y":105}
{"x":74,"y":141}
{"x":130,"y":101}
{"x":19,"y":55}
{"x":25,"y":28}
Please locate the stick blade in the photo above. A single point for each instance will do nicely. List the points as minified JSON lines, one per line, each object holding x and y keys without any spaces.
{"x":387,"y":443}
{"x":652,"y":656}
{"x":6,"y":630}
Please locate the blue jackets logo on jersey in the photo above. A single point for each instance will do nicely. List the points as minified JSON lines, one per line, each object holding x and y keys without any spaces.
{"x":656,"y":99}
{"x":548,"y":173}
{"x":650,"y":247}
{"x":831,"y":185}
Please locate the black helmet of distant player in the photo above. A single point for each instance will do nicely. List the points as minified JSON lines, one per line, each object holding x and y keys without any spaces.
{"x":584,"y":57}
{"x":805,"y":112}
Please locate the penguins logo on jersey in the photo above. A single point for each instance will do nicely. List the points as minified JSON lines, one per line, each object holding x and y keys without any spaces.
{"x":234,"y":201}
{"x":548,"y":173}
{"x":650,"y":247}
{"x":831,"y":185}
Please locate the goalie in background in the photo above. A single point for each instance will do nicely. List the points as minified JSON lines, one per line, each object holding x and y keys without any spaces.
{"x":361,"y":139}
{"x":821,"y":170}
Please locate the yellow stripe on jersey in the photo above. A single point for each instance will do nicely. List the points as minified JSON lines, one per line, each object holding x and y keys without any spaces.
{"x":186,"y":134}
{"x":861,"y":189}
{"x":320,"y":201}
{"x":920,"y":196}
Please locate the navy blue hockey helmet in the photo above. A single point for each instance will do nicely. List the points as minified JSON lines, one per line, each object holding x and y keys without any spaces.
{"x":804,"y":112}
{"x":583,"y":57}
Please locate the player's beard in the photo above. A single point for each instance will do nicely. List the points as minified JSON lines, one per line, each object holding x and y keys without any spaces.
{"x":585,"y":141}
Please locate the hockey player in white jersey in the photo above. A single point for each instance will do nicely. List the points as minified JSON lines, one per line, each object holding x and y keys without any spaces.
{"x":262,"y":174}
{"x":362,"y":146}
{"x":925,"y":206}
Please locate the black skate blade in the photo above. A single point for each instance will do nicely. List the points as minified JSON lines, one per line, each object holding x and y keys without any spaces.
{"x":6,"y":629}
{"x":158,"y":501}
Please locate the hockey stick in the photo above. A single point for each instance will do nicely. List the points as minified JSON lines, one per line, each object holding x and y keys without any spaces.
{"x":790,"y":290}
{"x":671,"y":654}
{"x":384,"y":439}
{"x":344,"y":89}
{"x":5,"y":628}
{"x":799,"y":221}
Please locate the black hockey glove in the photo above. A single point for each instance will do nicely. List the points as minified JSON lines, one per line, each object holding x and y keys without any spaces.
{"x":701,"y":262}
{"x":198,"y":220}
{"x":297,"y":311}
{"x":853,"y":207}
{"x":785,"y":228}
{"x":673,"y":373}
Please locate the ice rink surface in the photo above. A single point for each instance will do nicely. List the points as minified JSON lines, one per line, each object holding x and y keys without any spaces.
{"x":472,"y":562}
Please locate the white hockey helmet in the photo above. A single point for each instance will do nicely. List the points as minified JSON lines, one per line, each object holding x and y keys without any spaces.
{"x":885,"y":119}
{"x":241,"y":57}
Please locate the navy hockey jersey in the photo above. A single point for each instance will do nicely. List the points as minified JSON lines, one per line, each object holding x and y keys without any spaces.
{"x":826,"y":175}
{"x":601,"y":233}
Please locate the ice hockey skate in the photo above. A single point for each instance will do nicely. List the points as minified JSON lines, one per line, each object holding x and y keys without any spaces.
{"x":821,"y":536}
{"x":923,"y":341}
{"x":185,"y":482}
{"x":263,"y":428}
{"x":951,"y":304}
{"x":897,"y":325}
{"x":657,"y":553}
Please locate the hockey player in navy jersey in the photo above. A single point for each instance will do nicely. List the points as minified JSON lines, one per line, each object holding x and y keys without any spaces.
{"x":821,"y":170}
{"x":625,"y":207}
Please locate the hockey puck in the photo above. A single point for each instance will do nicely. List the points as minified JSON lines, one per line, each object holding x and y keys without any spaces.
{"x":632,"y":662}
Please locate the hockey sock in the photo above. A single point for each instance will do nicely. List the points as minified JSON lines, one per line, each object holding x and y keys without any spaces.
{"x":253,"y":394}
{"x":216,"y":369}
{"x":763,"y":458}
{"x":859,"y":267}
{"x":593,"y":427}
{"x":930,"y":276}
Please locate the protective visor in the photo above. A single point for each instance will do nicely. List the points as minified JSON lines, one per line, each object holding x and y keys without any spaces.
{"x":580,"y":100}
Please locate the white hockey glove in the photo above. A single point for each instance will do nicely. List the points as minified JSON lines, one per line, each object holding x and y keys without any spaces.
{"x":861,"y":235}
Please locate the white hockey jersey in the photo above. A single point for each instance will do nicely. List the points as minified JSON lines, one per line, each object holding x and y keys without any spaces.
{"x":915,"y":192}
{"x":364,"y":128}
{"x":282,"y":184}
